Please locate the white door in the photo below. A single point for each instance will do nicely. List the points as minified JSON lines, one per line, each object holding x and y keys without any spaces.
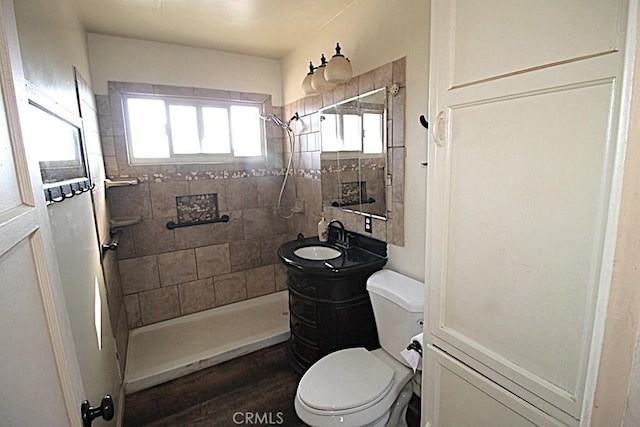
{"x":76,"y":244}
{"x":39,"y":376}
{"x":74,"y":231}
{"x":522,"y":189}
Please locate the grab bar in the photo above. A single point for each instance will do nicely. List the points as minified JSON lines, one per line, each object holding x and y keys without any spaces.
{"x":361,"y":202}
{"x":171,"y":225}
{"x":115,"y":241}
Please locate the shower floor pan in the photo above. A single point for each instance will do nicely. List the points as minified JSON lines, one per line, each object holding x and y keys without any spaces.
{"x":163,"y":351}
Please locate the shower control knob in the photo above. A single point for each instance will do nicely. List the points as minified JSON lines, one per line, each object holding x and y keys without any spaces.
{"x":89,"y":413}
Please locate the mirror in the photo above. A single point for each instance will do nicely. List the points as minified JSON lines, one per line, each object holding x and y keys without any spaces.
{"x":353,"y":139}
{"x":63,"y":166}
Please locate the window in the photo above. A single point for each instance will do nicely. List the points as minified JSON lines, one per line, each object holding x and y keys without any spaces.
{"x":352,"y":132}
{"x":164,"y":129}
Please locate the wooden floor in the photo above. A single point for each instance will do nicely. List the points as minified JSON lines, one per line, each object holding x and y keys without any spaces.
{"x":256,"y":389}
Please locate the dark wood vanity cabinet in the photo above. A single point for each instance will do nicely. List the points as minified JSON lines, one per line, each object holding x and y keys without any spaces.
{"x":328,"y":314}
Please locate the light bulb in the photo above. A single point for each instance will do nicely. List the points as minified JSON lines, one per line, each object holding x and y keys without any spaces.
{"x":338,"y":70}
{"x":318,"y":81}
{"x":307,"y":88}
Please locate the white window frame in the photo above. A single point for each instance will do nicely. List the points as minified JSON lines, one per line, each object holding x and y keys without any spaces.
{"x":199,"y":103}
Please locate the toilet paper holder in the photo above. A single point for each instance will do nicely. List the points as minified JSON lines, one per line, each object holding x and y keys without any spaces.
{"x":415,"y":346}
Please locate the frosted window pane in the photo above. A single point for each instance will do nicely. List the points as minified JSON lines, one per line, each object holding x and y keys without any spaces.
{"x":216,"y":131}
{"x":372,"y":133}
{"x":58,"y":141}
{"x":184,"y":129}
{"x":352,"y":133}
{"x":245,"y":128}
{"x":330,"y":135}
{"x":147,"y":124}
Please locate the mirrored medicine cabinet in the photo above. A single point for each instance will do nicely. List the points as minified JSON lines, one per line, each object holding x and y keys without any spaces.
{"x":353,"y":135}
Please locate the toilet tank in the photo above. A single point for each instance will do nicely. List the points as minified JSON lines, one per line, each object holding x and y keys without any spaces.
{"x":398,"y":307}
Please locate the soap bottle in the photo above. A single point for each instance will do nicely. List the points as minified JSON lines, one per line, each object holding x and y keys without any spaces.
{"x":323,"y":233}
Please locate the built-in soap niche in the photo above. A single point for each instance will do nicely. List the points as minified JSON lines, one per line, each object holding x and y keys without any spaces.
{"x":353,"y":193}
{"x":197,"y":209}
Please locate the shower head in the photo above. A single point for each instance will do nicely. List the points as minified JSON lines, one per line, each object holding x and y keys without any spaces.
{"x":278,"y":121}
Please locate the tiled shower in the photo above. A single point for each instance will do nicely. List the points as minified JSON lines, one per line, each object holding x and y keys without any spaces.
{"x":167,"y":273}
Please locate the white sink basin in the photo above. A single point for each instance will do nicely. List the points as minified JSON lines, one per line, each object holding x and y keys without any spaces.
{"x":317,"y":253}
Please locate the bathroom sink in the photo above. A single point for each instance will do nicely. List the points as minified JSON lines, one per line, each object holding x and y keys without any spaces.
{"x":317,"y":253}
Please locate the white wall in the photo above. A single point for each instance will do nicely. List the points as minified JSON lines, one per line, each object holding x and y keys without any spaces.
{"x":373,"y":33}
{"x":52,"y":42}
{"x":137,"y":61}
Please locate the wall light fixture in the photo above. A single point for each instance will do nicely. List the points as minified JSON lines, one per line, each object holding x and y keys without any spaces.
{"x":328,"y":74}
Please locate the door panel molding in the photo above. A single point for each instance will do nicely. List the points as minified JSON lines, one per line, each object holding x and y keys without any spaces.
{"x":592,"y":80}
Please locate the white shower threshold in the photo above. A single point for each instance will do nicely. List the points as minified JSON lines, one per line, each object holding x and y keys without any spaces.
{"x":173,"y":348}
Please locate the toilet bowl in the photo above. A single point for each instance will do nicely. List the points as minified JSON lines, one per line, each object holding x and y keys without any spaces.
{"x":358,"y":387}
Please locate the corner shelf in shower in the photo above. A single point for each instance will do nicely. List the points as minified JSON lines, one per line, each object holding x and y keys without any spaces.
{"x":124,"y":221}
{"x":111,"y":183}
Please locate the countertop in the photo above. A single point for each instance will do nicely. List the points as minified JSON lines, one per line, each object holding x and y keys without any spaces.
{"x":363,"y":254}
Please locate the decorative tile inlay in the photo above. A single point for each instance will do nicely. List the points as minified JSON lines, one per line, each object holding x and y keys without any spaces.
{"x":197,"y":208}
{"x":353,"y":192}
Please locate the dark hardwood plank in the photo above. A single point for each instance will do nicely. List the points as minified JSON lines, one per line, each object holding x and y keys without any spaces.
{"x":263,"y":373}
{"x":254,"y":389}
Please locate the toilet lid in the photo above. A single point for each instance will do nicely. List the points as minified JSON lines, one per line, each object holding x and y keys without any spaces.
{"x":345,"y":379}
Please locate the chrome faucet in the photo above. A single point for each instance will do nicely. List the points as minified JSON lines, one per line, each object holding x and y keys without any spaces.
{"x":343,"y":238}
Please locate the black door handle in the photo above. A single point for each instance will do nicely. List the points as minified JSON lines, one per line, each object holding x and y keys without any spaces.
{"x":89,"y":413}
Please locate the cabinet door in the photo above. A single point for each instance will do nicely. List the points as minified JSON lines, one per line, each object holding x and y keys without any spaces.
{"x":522,"y":194}
{"x":466,"y":399}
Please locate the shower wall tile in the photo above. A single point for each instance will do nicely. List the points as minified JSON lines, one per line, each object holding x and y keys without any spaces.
{"x":244,"y":254}
{"x":280,"y":271}
{"x":177,"y":267}
{"x":194,"y":237}
{"x":126,"y":246}
{"x":229,"y":231}
{"x":163,"y":198}
{"x":130,"y":201}
{"x":261,"y":281}
{"x":243,"y":193}
{"x":132,"y":306}
{"x":213,"y":260}
{"x":230,"y":288}
{"x":268,"y":188}
{"x":159,"y":304}
{"x":196,"y":296}
{"x":258,"y":223}
{"x":139,"y":274}
{"x":269,"y":248}
{"x":151,"y":236}
{"x":122,"y":337}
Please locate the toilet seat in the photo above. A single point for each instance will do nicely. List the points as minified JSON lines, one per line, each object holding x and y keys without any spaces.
{"x":362,"y":379}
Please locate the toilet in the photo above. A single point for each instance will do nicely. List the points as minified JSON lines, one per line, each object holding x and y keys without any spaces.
{"x":358,"y":387}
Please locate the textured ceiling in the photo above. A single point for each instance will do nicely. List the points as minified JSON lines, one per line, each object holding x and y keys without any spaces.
{"x":267,"y":28}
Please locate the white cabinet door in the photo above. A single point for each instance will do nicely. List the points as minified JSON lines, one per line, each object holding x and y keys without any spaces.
{"x":467,"y":399}
{"x":521,"y":189}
